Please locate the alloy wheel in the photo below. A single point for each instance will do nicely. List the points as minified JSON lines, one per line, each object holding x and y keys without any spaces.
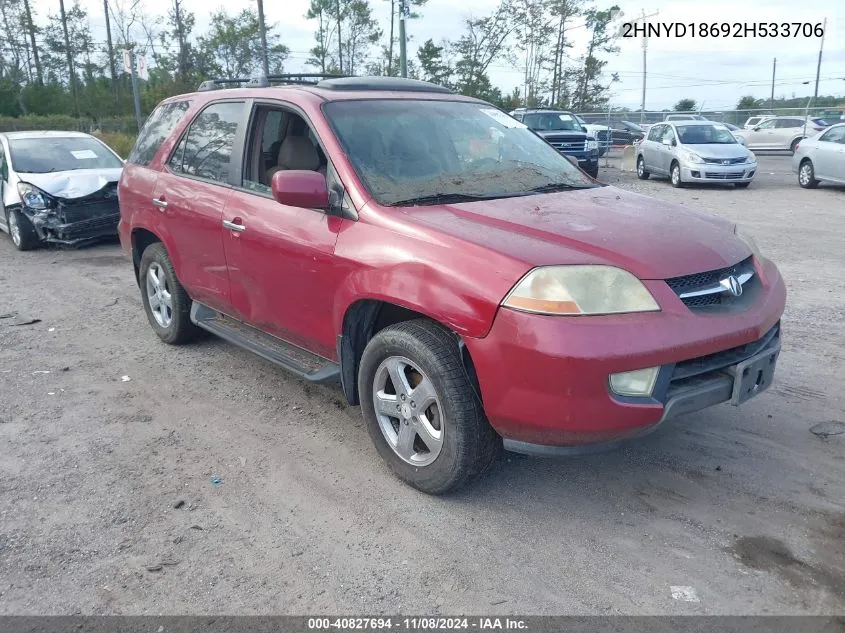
{"x":158,"y":295}
{"x":805,"y":174}
{"x":408,"y":410}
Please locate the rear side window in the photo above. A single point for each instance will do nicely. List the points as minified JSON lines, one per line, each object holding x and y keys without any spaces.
{"x":157,"y":128}
{"x":206,"y":150}
{"x":789,"y":123}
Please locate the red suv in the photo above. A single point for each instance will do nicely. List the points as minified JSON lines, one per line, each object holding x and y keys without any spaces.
{"x":463,"y":281}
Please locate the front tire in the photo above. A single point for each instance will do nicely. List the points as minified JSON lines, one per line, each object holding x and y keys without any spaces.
{"x":807,"y":175}
{"x":166,"y":303}
{"x":675,"y":175}
{"x":21,"y":231}
{"x":421,"y":408}
{"x":593,"y":172}
{"x":642,"y":174}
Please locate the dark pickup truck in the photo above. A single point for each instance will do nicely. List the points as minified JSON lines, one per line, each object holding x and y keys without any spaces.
{"x":563,"y":132}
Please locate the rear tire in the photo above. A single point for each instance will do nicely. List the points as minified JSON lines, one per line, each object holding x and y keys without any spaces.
{"x":807,"y":175}
{"x":166,"y":303}
{"x":793,"y":147}
{"x":436,"y":407}
{"x":21,"y":231}
{"x":642,"y":174}
{"x":675,"y":175}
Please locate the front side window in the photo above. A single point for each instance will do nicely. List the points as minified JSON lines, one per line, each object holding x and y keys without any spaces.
{"x":4,"y":168}
{"x":157,"y":128}
{"x":767,"y":125}
{"x":668,"y":134}
{"x":405,"y":150}
{"x":59,"y":153}
{"x":716,"y":134}
{"x":206,"y":150}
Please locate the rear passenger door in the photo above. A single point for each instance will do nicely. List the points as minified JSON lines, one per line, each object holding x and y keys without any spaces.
{"x":651,"y":147}
{"x":191,"y":194}
{"x":787,"y":130}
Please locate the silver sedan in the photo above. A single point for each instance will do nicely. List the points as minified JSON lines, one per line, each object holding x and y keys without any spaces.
{"x":821,"y":158}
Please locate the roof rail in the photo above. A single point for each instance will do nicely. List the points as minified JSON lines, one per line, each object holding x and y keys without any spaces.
{"x":260,"y":81}
{"x":399,"y":84}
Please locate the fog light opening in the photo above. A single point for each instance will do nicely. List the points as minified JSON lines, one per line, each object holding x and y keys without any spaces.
{"x":639,"y":382}
{"x":695,"y":174}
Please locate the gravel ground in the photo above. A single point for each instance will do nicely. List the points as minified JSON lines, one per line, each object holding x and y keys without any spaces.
{"x":107,"y":504}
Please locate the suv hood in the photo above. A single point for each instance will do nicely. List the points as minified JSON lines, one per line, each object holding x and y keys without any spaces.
{"x":75,"y":183}
{"x":601,"y":225}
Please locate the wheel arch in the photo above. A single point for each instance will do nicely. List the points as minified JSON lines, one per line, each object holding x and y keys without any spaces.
{"x":141,"y":239}
{"x":365,"y":318}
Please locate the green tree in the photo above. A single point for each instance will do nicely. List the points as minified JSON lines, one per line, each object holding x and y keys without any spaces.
{"x":483,"y":42}
{"x":433,"y":66}
{"x":685,"y":105}
{"x":232,"y":48}
{"x":748,"y":103}
{"x":592,"y":93}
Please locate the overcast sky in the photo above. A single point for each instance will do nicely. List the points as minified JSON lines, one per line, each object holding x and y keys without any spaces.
{"x":714,"y":72}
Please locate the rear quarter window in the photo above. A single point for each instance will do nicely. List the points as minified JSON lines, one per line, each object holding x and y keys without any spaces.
{"x":156,"y":130}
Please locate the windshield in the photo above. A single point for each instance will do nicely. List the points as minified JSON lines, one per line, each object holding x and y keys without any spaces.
{"x":404,"y":150}
{"x":716,"y":134}
{"x":552,"y":121}
{"x":46,"y":154}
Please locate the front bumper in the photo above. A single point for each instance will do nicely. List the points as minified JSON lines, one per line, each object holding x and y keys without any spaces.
{"x":704,"y":172}
{"x":544,"y":379}
{"x":77,"y":228}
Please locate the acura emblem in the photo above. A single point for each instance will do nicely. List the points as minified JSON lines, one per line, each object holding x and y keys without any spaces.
{"x":732,"y":285}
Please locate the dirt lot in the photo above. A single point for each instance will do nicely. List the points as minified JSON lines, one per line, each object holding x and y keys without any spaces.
{"x":107,"y":502}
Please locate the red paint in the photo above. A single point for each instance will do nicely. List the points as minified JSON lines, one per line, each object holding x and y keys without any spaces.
{"x":297,"y":188}
{"x":295,"y":271}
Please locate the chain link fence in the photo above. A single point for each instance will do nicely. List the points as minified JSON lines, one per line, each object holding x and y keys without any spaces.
{"x":613,"y":118}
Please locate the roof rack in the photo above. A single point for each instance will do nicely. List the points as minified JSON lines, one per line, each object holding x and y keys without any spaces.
{"x":399,"y":84}
{"x":260,"y":81}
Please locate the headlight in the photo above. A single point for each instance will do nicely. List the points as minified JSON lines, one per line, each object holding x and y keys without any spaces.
{"x":580,"y":290}
{"x":592,"y":145}
{"x":751,"y":158}
{"x":749,"y":241}
{"x":33,"y":197}
{"x":690,"y":157}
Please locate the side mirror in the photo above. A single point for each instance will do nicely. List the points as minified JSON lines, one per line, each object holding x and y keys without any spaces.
{"x":300,"y":188}
{"x":756,"y":128}
{"x":740,"y":140}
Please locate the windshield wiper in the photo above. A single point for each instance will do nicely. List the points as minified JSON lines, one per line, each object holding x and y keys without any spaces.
{"x":558,"y":186}
{"x":451,"y":198}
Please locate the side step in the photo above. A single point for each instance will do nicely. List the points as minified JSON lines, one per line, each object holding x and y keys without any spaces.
{"x":296,"y":360}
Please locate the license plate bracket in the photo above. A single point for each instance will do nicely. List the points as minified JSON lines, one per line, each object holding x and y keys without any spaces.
{"x":754,"y":375}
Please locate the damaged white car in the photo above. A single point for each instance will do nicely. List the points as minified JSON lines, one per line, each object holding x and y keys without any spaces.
{"x":57,"y":187}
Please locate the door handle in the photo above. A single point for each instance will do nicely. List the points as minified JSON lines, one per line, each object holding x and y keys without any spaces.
{"x":240,"y":228}
{"x":160,"y":203}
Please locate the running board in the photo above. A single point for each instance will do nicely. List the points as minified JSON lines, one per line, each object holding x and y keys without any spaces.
{"x":294,"y":359}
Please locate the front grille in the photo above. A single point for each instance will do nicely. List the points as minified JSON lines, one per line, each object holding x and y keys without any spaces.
{"x":72,"y":213}
{"x":93,"y":227}
{"x":733,"y":175}
{"x":712,"y":362}
{"x":710,"y":278}
{"x":721,"y":161}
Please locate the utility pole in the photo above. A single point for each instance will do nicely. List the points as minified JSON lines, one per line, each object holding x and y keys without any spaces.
{"x":31,"y":28}
{"x":819,"y":64}
{"x":72,"y":74}
{"x":110,"y":47}
{"x":403,"y":44}
{"x":265,"y":64}
{"x":772,"y":99}
{"x":135,"y":94}
{"x":642,"y":18}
